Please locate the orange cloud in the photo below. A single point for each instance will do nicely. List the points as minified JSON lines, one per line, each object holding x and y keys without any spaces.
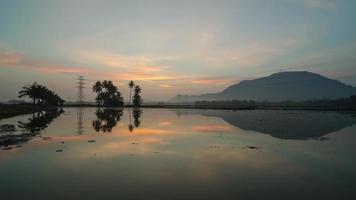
{"x":165,"y":86}
{"x":211,"y":81}
{"x":143,"y":76}
{"x":16,"y":59}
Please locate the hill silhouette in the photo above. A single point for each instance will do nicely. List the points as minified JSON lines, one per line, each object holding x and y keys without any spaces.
{"x":283,"y":86}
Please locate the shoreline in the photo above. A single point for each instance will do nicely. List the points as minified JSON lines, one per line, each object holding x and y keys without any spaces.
{"x":12,"y":110}
{"x":223,"y":107}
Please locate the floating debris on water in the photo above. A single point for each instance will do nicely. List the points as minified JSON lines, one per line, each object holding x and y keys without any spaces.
{"x":59,"y":150}
{"x":321,"y":138}
{"x":91,"y":141}
{"x":47,"y":138}
{"x":251,"y":147}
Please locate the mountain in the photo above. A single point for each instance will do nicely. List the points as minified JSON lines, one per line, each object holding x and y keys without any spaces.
{"x":283,"y":86}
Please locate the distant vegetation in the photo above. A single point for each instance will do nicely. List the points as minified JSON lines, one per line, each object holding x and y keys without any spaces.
{"x":41,"y":95}
{"x":338,"y":104}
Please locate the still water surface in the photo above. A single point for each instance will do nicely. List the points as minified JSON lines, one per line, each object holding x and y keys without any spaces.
{"x":179,"y":154}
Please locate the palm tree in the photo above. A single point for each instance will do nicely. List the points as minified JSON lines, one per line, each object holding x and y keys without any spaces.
{"x":32,"y":91}
{"x":131,"y":86}
{"x":42,"y":94}
{"x":137,"y":99}
{"x":107,"y":93}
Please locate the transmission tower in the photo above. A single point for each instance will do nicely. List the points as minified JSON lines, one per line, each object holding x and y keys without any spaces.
{"x":80,"y":85}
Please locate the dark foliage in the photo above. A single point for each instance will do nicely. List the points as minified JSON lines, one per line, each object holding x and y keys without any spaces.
{"x":137,"y":99}
{"x":41,"y":95}
{"x":337,"y":104}
{"x":107,"y":94}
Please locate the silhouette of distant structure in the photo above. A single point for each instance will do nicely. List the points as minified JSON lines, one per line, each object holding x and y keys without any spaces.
{"x":80,"y":84}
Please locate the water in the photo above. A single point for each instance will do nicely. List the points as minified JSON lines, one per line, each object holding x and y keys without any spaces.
{"x":179,"y":154}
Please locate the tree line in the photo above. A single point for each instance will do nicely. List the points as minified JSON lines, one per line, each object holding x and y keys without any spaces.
{"x":336,"y":104}
{"x":41,"y":95}
{"x":107,"y":94}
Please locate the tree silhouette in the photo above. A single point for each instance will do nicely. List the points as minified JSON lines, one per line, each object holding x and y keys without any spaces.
{"x":131,"y":86}
{"x":107,"y":94}
{"x":137,"y":99}
{"x":41,"y":95}
{"x":31,"y":91}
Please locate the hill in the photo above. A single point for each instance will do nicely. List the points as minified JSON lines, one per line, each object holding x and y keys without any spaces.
{"x":283,"y":86}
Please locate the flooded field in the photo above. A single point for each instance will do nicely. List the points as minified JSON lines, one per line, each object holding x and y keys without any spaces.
{"x":90,"y":153}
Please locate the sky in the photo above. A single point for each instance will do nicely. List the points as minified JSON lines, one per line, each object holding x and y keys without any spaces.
{"x":171,"y":47}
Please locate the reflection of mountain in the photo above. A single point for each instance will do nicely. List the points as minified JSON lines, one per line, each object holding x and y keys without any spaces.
{"x":37,"y":123}
{"x":299,"y":125}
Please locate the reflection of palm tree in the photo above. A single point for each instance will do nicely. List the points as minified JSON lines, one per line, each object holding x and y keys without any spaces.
{"x":37,"y":123}
{"x":131,"y":127}
{"x":131,"y":86}
{"x":106,"y":119}
{"x":136,"y":115}
{"x":40,"y":121}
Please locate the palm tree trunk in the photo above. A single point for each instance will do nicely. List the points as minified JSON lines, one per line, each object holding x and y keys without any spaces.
{"x":130,"y":96}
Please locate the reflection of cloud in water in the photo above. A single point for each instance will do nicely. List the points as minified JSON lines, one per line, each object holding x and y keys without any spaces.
{"x":212,"y":128}
{"x":283,"y":124}
{"x":164,"y":123}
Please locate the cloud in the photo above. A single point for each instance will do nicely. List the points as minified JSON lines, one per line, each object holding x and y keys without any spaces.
{"x":211,"y":81}
{"x":10,"y":58}
{"x":165,"y":86}
{"x":251,"y":54}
